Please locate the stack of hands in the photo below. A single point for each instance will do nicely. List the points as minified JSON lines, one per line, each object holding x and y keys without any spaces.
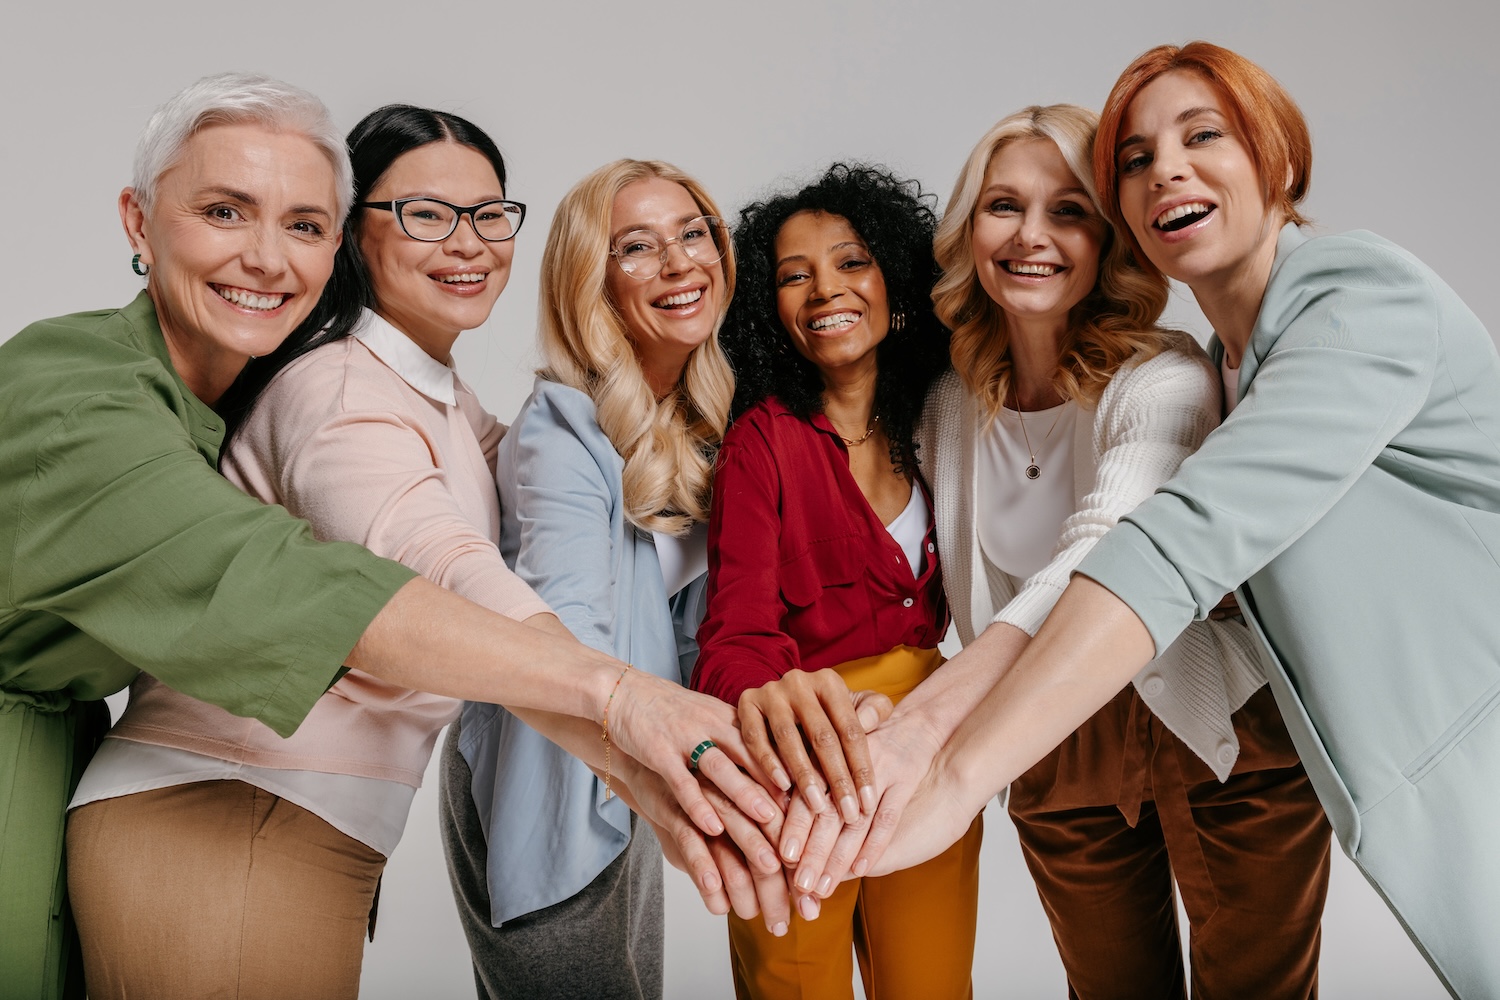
{"x":806,"y":786}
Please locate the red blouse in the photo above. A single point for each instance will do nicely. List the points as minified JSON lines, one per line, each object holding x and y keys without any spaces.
{"x":801,"y":573}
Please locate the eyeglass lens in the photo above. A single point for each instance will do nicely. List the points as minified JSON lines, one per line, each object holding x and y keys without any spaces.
{"x":434,"y":221}
{"x":642,"y":253}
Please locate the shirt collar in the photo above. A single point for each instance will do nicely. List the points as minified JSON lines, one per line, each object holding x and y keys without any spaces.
{"x":401,"y":355}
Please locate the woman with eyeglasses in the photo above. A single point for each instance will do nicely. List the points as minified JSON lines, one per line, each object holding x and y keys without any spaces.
{"x":603,"y":481}
{"x":371,"y":436}
{"x":823,"y":573}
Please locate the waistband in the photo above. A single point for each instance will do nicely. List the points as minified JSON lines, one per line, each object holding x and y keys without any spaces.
{"x":893,"y":673}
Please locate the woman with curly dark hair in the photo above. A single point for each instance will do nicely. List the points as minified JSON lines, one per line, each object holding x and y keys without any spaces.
{"x":823,"y":570}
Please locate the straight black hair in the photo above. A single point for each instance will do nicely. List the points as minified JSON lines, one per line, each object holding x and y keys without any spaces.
{"x":380,"y":138}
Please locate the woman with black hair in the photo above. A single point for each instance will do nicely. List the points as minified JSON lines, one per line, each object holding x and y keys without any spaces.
{"x":823,"y":574}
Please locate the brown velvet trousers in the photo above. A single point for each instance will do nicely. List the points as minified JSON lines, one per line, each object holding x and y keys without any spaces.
{"x":1121,"y":809}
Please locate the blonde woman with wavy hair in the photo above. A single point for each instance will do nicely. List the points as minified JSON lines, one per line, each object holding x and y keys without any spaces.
{"x":604,"y":489}
{"x":1067,"y":406}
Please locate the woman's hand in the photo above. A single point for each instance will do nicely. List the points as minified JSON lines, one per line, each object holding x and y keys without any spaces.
{"x":737,"y":870}
{"x":903,"y":750}
{"x":659,"y":723}
{"x":815,"y":708}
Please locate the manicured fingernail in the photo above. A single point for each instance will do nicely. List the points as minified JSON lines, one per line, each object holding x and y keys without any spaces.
{"x":768,"y":859}
{"x":808,"y":907}
{"x":782,"y":781}
{"x":805,"y":881}
{"x":764,"y":811}
{"x":816,"y":799}
{"x":792,"y":850}
{"x":849,"y":808}
{"x":867,"y":799}
{"x":711,"y":881}
{"x":713,"y":824}
{"x":825,"y":885}
{"x":779,"y":930}
{"x":860,"y":867}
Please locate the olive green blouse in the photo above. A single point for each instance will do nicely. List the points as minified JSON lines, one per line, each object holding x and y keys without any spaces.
{"x":122,"y":548}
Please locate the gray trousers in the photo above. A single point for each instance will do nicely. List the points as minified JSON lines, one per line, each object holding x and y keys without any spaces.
{"x":605,"y":942}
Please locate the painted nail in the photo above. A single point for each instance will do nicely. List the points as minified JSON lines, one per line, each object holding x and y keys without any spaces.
{"x":867,"y":799}
{"x":825,"y":886}
{"x":805,"y":881}
{"x":768,"y":859}
{"x":764,"y":810}
{"x":782,"y":781}
{"x":808,"y":907}
{"x":816,"y":799}
{"x":849,"y":808}
{"x":860,"y":867}
{"x":792,"y":850}
{"x":779,"y":930}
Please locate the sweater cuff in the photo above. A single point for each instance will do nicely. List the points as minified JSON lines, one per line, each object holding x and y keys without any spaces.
{"x":1028,"y":609}
{"x":1128,"y":563}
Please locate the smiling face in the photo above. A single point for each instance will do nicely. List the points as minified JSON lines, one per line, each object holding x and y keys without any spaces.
{"x":240,"y":241}
{"x":830,"y":293}
{"x":1036,"y":239}
{"x":670,"y":314}
{"x":1189,"y":190}
{"x":433,"y":291}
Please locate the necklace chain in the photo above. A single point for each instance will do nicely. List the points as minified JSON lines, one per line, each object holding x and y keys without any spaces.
{"x":856,"y":442}
{"x":1033,"y":471}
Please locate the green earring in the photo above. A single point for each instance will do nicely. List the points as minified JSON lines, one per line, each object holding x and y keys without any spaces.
{"x":135,"y":265}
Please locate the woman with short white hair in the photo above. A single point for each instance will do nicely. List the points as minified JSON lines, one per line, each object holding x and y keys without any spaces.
{"x":127,"y":551}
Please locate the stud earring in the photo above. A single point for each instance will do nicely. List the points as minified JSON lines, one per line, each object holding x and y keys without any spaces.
{"x":135,"y":265}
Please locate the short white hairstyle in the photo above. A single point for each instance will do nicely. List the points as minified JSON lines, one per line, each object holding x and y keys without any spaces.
{"x":238,"y":99}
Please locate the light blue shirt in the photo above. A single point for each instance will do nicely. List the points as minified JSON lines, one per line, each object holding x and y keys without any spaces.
{"x":563,"y":530}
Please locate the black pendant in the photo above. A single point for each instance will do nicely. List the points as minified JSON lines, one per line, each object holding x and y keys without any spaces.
{"x":1032,"y":472}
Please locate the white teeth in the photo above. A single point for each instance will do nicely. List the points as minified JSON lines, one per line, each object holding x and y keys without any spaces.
{"x":1030,"y":267}
{"x":680,"y":299}
{"x":462,"y":279}
{"x":836,"y":320}
{"x":1173,"y":214}
{"x":249,"y":300}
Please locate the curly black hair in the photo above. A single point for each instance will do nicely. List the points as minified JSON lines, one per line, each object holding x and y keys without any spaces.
{"x":896,"y":221}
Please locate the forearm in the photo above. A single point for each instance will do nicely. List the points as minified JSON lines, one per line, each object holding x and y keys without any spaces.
{"x":944,"y":700}
{"x":1089,"y":648}
{"x":429,"y":639}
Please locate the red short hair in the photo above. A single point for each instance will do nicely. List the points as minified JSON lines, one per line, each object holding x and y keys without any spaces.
{"x":1274,"y":130}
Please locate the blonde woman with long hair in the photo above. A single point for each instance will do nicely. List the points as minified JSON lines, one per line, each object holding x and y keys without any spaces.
{"x":1067,"y":406}
{"x":604,"y":489}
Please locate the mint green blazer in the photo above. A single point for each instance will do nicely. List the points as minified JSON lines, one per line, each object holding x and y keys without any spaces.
{"x":1353,"y":498}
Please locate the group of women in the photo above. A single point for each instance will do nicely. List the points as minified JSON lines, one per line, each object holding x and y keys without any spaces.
{"x":722,"y":538}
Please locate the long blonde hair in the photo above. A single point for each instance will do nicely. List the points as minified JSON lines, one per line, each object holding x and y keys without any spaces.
{"x":668,"y":444}
{"x":1113,"y":322}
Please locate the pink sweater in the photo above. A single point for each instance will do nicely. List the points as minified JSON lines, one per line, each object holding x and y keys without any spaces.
{"x":344,"y":441}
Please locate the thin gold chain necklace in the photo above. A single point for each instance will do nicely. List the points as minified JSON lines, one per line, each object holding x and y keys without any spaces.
{"x":1034,"y":471}
{"x":856,"y":442}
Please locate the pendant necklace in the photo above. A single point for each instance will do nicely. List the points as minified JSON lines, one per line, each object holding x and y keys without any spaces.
{"x":856,"y":442}
{"x":1033,"y":471}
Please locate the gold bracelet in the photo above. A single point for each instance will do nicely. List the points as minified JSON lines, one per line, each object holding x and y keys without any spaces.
{"x":609,"y":792}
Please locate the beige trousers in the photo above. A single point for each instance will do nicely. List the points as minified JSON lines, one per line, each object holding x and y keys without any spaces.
{"x":217,"y":889}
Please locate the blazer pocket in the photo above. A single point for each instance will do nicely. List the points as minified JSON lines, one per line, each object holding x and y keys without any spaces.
{"x":1453,"y":735}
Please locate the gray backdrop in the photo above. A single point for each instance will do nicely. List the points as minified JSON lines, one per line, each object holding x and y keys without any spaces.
{"x":1400,"y":97}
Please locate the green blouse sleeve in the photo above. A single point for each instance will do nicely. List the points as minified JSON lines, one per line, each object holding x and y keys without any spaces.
{"x":125,"y":531}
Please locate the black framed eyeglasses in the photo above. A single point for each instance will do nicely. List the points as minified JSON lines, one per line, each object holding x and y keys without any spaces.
{"x":432,"y":221}
{"x":642,"y":253}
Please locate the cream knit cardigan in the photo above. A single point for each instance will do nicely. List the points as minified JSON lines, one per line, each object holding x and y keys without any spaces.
{"x":1151,"y":416}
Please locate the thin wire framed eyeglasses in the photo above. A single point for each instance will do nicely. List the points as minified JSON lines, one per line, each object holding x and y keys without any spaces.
{"x":642,"y":253}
